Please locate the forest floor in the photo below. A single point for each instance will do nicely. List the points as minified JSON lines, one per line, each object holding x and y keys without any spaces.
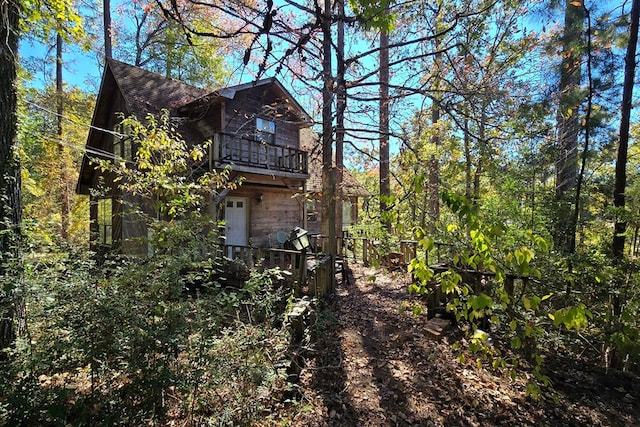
{"x":376,"y":365}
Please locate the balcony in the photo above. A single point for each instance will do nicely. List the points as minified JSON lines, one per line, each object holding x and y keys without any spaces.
{"x":248,"y":155}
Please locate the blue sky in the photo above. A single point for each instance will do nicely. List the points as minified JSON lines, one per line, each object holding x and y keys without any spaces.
{"x":81,"y":69}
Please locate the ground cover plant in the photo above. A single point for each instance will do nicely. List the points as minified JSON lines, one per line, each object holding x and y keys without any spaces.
{"x":125,"y":343}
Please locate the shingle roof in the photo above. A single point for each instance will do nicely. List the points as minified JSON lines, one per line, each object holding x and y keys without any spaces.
{"x":147,"y":92}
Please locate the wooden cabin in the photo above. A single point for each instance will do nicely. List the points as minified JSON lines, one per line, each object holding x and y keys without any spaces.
{"x":255,"y":128}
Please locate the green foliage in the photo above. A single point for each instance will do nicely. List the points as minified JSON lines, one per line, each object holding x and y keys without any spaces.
{"x":124,"y":342}
{"x":50,"y":169}
{"x":576,"y":317}
{"x":508,"y":294}
{"x":171,"y":187}
{"x":144,"y":36}
{"x":41,"y":18}
{"x":374,"y":14}
{"x":165,"y":170}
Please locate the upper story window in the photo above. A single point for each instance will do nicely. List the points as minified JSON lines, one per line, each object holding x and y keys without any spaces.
{"x":265,"y":131}
{"x":123,"y":145}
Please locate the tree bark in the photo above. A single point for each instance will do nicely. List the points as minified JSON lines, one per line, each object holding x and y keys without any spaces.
{"x":568,"y":124}
{"x":385,"y":188}
{"x":468,"y":161}
{"x":617,"y":248}
{"x":107,"y":29}
{"x":482,"y":152}
{"x":340,"y":109}
{"x":64,"y":185}
{"x":434,"y":165}
{"x":328,"y":222}
{"x":10,"y":205}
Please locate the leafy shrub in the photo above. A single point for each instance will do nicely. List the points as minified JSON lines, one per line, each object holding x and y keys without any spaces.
{"x":525,"y":308}
{"x":126,"y":346}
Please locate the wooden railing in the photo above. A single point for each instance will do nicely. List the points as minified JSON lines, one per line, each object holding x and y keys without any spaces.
{"x":369,"y":250}
{"x":307,"y":270}
{"x":313,"y":268}
{"x":320,"y":281}
{"x":292,"y":261}
{"x":360,"y":248}
{"x":228,"y":148}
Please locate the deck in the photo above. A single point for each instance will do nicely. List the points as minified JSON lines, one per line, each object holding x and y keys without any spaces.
{"x":244,"y":152}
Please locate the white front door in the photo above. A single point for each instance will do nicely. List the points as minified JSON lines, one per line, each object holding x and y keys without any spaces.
{"x":235,"y":218}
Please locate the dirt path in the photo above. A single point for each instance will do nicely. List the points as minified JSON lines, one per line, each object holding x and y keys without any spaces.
{"x":375,"y":365}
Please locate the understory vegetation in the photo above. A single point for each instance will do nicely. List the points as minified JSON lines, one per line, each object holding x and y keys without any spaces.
{"x":519,"y":301}
{"x":128,"y":343}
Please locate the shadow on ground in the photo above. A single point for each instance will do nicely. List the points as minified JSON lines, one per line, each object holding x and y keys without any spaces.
{"x":375,"y":365}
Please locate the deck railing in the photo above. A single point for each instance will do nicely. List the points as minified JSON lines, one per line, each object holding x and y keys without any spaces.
{"x":369,"y":250}
{"x":311,"y":268}
{"x":292,"y":261}
{"x":228,"y":148}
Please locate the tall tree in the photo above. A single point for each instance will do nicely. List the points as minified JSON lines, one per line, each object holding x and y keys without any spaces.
{"x":107,"y":28}
{"x":328,"y":172}
{"x":385,"y":187}
{"x":617,"y":247}
{"x":341,"y":105}
{"x":147,"y":39}
{"x":65,"y":190}
{"x":11,"y":13}
{"x":568,"y":122}
{"x":471,"y":86}
{"x":434,"y":166}
{"x":44,"y":171}
{"x":10,"y":208}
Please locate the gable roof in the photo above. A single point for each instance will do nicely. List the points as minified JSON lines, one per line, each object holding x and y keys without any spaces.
{"x":289,"y":105}
{"x":147,"y":92}
{"x":144,"y":92}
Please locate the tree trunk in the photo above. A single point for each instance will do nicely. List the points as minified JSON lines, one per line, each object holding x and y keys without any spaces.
{"x":64,"y":185}
{"x":106,"y":6}
{"x":434,"y":168}
{"x":340,"y":109}
{"x":482,"y":153}
{"x":328,"y":224}
{"x":434,"y":165}
{"x":568,"y":124}
{"x":468,"y":160}
{"x":10,"y":205}
{"x":385,"y":188}
{"x":617,"y":248}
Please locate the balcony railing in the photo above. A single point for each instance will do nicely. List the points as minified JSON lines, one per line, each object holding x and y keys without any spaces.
{"x":248,"y":152}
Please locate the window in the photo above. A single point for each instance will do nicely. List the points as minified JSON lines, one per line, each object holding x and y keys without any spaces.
{"x":105,"y":221}
{"x":123,"y":145}
{"x":347,"y":213}
{"x":265,"y":131}
{"x":312,"y":213}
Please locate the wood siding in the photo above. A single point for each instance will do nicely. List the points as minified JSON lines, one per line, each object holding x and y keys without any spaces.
{"x":275,"y":211}
{"x":241,"y":114}
{"x":134,"y":228}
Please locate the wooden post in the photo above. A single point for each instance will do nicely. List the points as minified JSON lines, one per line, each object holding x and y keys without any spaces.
{"x":365,"y":250}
